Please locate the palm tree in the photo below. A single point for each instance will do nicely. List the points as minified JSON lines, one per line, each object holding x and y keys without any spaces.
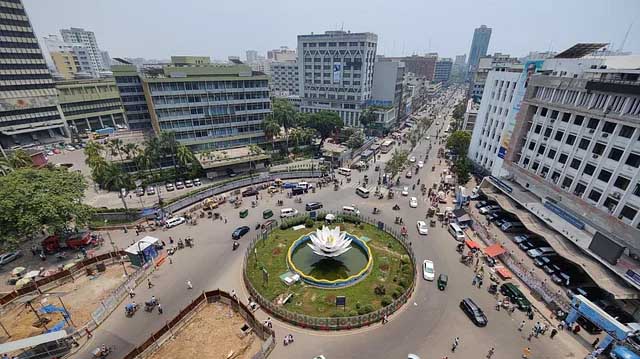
{"x":131,"y":150}
{"x":271,"y":130}
{"x":92,"y":150}
{"x":19,"y":159}
{"x":285,"y":115}
{"x":184,"y":156}
{"x":144,"y":162}
{"x":5,"y":166}
{"x":114,"y":178}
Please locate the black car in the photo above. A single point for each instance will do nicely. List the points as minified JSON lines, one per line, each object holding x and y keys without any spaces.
{"x":249,"y":192}
{"x":494,"y":216}
{"x":239,"y":232}
{"x":532,"y":243}
{"x":542,"y":261}
{"x":312,"y":206}
{"x":591,"y":293}
{"x":474,"y":312}
{"x":296,"y":191}
{"x":566,"y":277}
{"x":484,"y":204}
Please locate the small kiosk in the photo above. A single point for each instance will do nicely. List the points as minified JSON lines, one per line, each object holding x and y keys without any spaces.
{"x":143,"y":251}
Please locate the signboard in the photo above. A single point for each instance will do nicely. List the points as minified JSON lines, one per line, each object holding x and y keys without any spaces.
{"x":530,"y":67}
{"x":341,"y":300}
{"x":337,"y":72}
{"x":633,"y":275}
{"x":564,"y":215}
{"x":313,"y":214}
{"x":23,"y":103}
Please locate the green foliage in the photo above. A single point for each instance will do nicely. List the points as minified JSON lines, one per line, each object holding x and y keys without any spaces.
{"x":459,"y":142}
{"x":32,"y":200}
{"x":380,"y":290}
{"x":325,"y":123}
{"x":356,"y":140}
{"x":293,"y":221}
{"x":367,"y":118}
{"x":462,"y":168}
{"x":309,"y":223}
{"x":386,"y":301}
{"x":397,"y":162}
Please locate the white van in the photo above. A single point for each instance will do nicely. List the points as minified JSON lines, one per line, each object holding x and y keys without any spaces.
{"x":288,"y":212}
{"x":456,"y":232}
{"x":350,"y":210}
{"x":344,"y":171}
{"x":305,"y":185}
{"x":362,"y":192}
{"x":172,"y":222}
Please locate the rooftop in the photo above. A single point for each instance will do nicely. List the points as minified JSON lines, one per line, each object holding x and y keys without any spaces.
{"x":231,"y":156}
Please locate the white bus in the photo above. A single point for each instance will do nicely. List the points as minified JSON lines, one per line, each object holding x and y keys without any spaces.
{"x":386,"y":146}
{"x":344,"y":171}
{"x":362,"y":192}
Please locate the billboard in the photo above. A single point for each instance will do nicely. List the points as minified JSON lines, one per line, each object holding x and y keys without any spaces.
{"x":606,"y":248}
{"x":24,"y":103}
{"x":530,"y":67}
{"x":337,"y":72}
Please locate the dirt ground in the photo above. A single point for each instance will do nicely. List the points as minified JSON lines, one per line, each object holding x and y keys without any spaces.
{"x":213,"y":332}
{"x":81,"y":297}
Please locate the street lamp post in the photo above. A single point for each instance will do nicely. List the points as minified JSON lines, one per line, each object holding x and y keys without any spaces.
{"x":116,"y":250}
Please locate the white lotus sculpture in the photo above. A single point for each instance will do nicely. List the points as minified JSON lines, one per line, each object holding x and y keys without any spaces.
{"x":327,"y":242}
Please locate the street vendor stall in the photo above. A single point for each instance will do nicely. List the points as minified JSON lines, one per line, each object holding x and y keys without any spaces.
{"x":471,"y":244}
{"x":142,"y":251}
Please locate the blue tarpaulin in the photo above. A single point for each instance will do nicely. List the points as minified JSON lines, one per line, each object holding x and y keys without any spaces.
{"x":57,"y":327}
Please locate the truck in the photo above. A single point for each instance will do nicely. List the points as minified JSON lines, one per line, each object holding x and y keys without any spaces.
{"x":68,"y":240}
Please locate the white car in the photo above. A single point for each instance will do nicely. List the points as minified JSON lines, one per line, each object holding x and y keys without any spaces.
{"x":420,"y":164}
{"x":175,"y":221}
{"x":412,"y":159}
{"x":409,"y":174}
{"x":422,"y":227}
{"x":70,"y":148}
{"x":405,"y":191}
{"x":413,"y":202}
{"x":428,"y":271}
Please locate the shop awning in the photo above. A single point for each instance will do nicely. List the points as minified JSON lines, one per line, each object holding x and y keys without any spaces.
{"x":471,"y":244}
{"x":494,"y":250}
{"x":503,"y":272}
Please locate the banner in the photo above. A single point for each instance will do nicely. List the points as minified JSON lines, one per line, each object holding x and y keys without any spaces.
{"x":337,"y":72}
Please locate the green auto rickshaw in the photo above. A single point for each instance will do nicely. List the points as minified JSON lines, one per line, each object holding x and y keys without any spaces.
{"x":442,"y":281}
{"x":244,"y":213}
{"x":267,"y":213}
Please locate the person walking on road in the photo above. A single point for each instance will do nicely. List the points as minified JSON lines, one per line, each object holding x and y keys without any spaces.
{"x":490,"y":353}
{"x":456,"y":342}
{"x":149,"y":284}
{"x":554,"y":331}
{"x":526,"y":352}
{"x":159,"y":308}
{"x":189,"y":285}
{"x":521,"y":326}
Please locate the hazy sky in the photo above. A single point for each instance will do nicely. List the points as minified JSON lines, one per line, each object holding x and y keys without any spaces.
{"x":219,"y":28}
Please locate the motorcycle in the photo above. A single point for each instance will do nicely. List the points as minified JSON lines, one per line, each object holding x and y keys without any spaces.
{"x":396,"y":208}
{"x":235,"y":245}
{"x":376,"y":210}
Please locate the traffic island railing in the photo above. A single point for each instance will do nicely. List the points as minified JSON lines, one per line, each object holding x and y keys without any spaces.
{"x":169,"y":330}
{"x":332,"y":323}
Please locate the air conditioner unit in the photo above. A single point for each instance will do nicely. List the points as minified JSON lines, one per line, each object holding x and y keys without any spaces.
{"x":616,"y":195}
{"x":594,"y":156}
{"x":605,"y":135}
{"x":552,"y":121}
{"x":546,"y":139}
{"x":591,"y":130}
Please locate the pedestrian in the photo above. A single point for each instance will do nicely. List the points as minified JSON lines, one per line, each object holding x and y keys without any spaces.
{"x":159,"y":308}
{"x":554,"y":331}
{"x":480,"y":283}
{"x":521,"y":326}
{"x":576,"y":329}
{"x":225,"y":220}
{"x":490,"y":353}
{"x":170,"y":260}
{"x":526,"y":352}
{"x":595,"y":342}
{"x":137,"y":232}
{"x":131,"y":293}
{"x":189,"y":285}
{"x":89,"y":335}
{"x":234,"y":296}
{"x":163,"y":244}
{"x":456,"y":342}
{"x":170,"y":240}
{"x":475,"y":280}
{"x":149,"y":284}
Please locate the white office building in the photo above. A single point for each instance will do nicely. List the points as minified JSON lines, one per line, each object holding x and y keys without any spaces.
{"x":336,"y":71}
{"x":88,"y":39}
{"x":284,"y":81}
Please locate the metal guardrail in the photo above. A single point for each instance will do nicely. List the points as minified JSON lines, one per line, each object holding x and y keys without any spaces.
{"x":330,"y":323}
{"x":155,"y":341}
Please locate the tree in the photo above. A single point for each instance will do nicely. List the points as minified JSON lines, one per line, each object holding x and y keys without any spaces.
{"x":184,"y":156}
{"x":271,"y":130}
{"x":130,"y":150}
{"x":459,"y":142}
{"x":462,"y":168}
{"x":34,"y":199}
{"x":285,"y":115}
{"x":367,"y":118}
{"x":325,"y":123}
{"x":20,"y":159}
{"x":356,"y":140}
{"x":397,"y":162}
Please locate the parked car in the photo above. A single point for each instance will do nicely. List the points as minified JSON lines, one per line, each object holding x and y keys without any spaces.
{"x":175,"y":221}
{"x":151,"y":190}
{"x":542,"y":261}
{"x":188,"y":183}
{"x":179,"y":185}
{"x":196,"y":182}
{"x":515,"y":296}
{"x":412,"y":159}
{"x":239,"y":232}
{"x":231,"y":173}
{"x":69,"y":148}
{"x":169,"y":187}
{"x":533,"y":243}
{"x":588,"y":326}
{"x":523,"y":237}
{"x":312,"y":206}
{"x":591,"y":293}
{"x":484,"y":204}
{"x":487,"y":209}
{"x":471,"y":309}
{"x":541,"y":251}
{"x":249,"y":192}
{"x":139,"y":191}
{"x":568,"y":277}
{"x":420,"y":164}
{"x":428,"y":270}
{"x":423,"y":228}
{"x":9,"y":257}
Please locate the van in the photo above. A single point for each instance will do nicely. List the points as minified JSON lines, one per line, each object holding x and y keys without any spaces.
{"x":515,"y":295}
{"x":456,"y":232}
{"x":510,"y":227}
{"x":305,"y":185}
{"x":542,"y":251}
{"x":296,"y":191}
{"x":344,"y":171}
{"x":288,"y":212}
{"x":172,"y":222}
{"x":362,"y":192}
{"x":350,"y":210}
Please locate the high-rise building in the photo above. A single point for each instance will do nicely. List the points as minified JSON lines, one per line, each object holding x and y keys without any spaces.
{"x":252,"y":56}
{"x":208,"y":106}
{"x":88,"y":39}
{"x":129,"y":82}
{"x":460,"y":60}
{"x":283,"y":54}
{"x":29,"y":111}
{"x":421,"y":66}
{"x":336,"y":72}
{"x":479,"y":47}
{"x":386,"y":94}
{"x":443,"y":70}
{"x":496,"y":62}
{"x":106,"y":60}
{"x":285,"y":79}
{"x":69,"y":59}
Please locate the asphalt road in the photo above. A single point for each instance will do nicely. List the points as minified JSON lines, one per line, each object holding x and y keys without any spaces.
{"x":426,"y":325}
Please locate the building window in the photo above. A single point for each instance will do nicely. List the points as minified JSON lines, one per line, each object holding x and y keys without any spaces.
{"x":578,"y":120}
{"x":532,"y":145}
{"x":633,"y":160}
{"x":554,"y":114}
{"x":628,"y":213}
{"x":610,"y":204}
{"x":543,"y":112}
{"x":566,"y":116}
{"x":544,"y":172}
{"x":537,"y":129}
{"x":563,"y":158}
{"x":598,"y":149}
{"x":541,"y":149}
{"x":608,"y":127}
{"x":558,"y":136}
{"x":575,"y":163}
{"x":566,"y":183}
{"x":584,"y":143}
{"x":636,"y":190}
{"x":571,"y":139}
{"x":593,"y":123}
{"x":615,"y":154}
{"x":589,"y":169}
{"x":604,"y":175}
{"x":535,"y":166}
{"x":579,"y":190}
{"x":526,"y":161}
{"x":621,"y":183}
{"x":595,"y":195}
{"x":547,"y":132}
{"x":626,"y":131}
{"x":551,"y":154}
